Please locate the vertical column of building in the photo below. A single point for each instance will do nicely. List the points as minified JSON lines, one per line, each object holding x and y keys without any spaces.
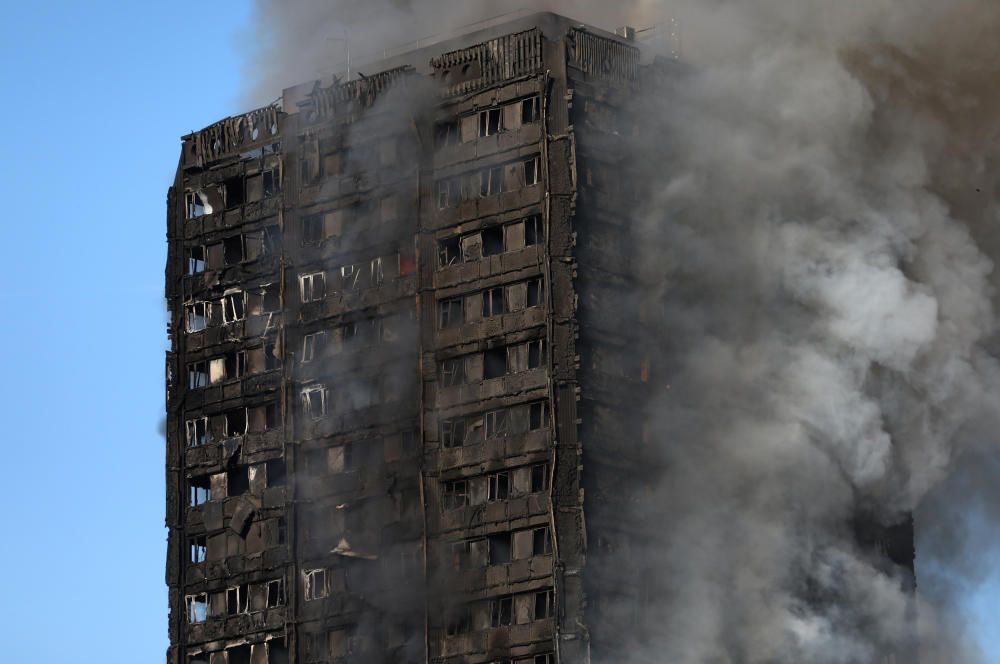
{"x":226,"y":479}
{"x":350,"y":280}
{"x":487,"y":408}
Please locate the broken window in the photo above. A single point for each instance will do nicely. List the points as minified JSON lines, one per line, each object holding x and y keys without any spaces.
{"x":315,"y":584}
{"x":449,"y":251}
{"x":492,"y":239}
{"x":350,"y":277}
{"x":197,"y":549}
{"x":238,"y":600}
{"x":493,"y":302}
{"x":490,"y":122}
{"x":196,"y":260}
{"x":530,"y":109}
{"x":198,"y":316}
{"x":538,"y":416}
{"x":271,"y":361}
{"x":533,"y":232}
{"x":314,"y":400}
{"x":495,"y":363}
{"x":270,"y":178}
{"x":197,"y":375}
{"x":311,"y":345}
{"x":545,"y":659}
{"x":543,"y":605}
{"x":236,"y":422}
{"x":234,"y":250}
{"x":197,"y":204}
{"x":452,"y":372}
{"x":312,"y":287}
{"x":377,"y":273}
{"x":541,"y":544}
{"x":275,"y":473}
{"x":234,"y":307}
{"x":532,"y":171}
{"x":500,"y":548}
{"x":312,"y":229}
{"x":239,"y":655}
{"x":275,"y":593}
{"x":498,"y":487}
{"x":197,"y":432}
{"x":455,"y":494}
{"x":450,"y":312}
{"x":459,"y":621}
{"x":501,"y":611}
{"x":540,"y":478}
{"x":197,"y":608}
{"x":497,"y":423}
{"x":234,"y":191}
{"x":537,"y":356}
{"x":536,"y":291}
{"x":235,"y":365}
{"x":237,"y":481}
{"x":447,"y":133}
{"x":443,"y":194}
{"x":491,"y":181}
{"x":453,"y":432}
{"x":199,"y":491}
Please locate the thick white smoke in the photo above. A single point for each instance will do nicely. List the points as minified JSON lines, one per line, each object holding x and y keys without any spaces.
{"x":816,"y":242}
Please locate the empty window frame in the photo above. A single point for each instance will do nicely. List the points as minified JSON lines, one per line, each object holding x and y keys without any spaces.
{"x":196,"y":262}
{"x":493,"y":302}
{"x":197,"y":608}
{"x":377,"y":273}
{"x":199,"y":491}
{"x":350,"y":277}
{"x":491,"y":181}
{"x":197,"y":315}
{"x":234,"y":189}
{"x":312,"y":229}
{"x":234,"y":307}
{"x":530,"y":110}
{"x":235,"y":365}
{"x":312,"y":287}
{"x":444,"y":194}
{"x":538,"y":416}
{"x":495,"y":363}
{"x":537,"y":355}
{"x":314,"y":401}
{"x":490,"y":122}
{"x":197,"y":432}
{"x":455,"y":494}
{"x":270,"y":179}
{"x":545,"y":659}
{"x":312,"y":346}
{"x":452,"y":372}
{"x":492,"y":240}
{"x":196,"y":204}
{"x":315,"y":586}
{"x":541,"y":543}
{"x":536,"y":292}
{"x":497,"y":423}
{"x":448,"y":133}
{"x":544,"y":605}
{"x":458,"y":621}
{"x":238,"y":600}
{"x":501,"y":611}
{"x":498,"y":487}
{"x":449,"y":251}
{"x":534,"y":232}
{"x":197,"y":549}
{"x":540,"y":478}
{"x":450,"y":313}
{"x":237,"y":481}
{"x":197,"y":375}
{"x":236,"y":422}
{"x":275,"y":593}
{"x":453,"y":432}
{"x":500,"y":548}
{"x":532,"y":171}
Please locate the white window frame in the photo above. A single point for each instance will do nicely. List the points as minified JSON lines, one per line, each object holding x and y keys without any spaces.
{"x":229,"y":312}
{"x":497,"y":423}
{"x":307,"y":403}
{"x":191,"y":427}
{"x":191,"y":315}
{"x":315,"y":584}
{"x":307,"y":286}
{"x":194,"y":616}
{"x":309,"y":345}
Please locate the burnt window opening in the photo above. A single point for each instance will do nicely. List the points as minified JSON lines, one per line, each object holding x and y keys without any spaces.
{"x":314,"y":401}
{"x":493,"y":302}
{"x":455,"y":494}
{"x":538,"y":416}
{"x":545,"y":659}
{"x":447,"y":133}
{"x":275,"y":473}
{"x":197,"y":549}
{"x":272,"y":416}
{"x":452,"y":372}
{"x":450,"y":251}
{"x":498,"y":487}
{"x":197,"y":375}
{"x":491,"y":182}
{"x":541,"y":543}
{"x":312,"y":287}
{"x":350,"y":277}
{"x":490,"y":122}
{"x":444,"y":199}
{"x":453,"y":432}
{"x":196,"y":263}
{"x":451,"y":313}
{"x":532,"y":171}
{"x":500,"y":548}
{"x":536,"y":292}
{"x":316,"y":462}
{"x":495,"y":363}
{"x":197,"y":608}
{"x":238,"y":600}
{"x":234,"y":307}
{"x":236,"y":365}
{"x":272,"y":240}
{"x":270,"y":179}
{"x":501,"y":611}
{"x":271,"y":299}
{"x":530,"y":110}
{"x":312,"y":346}
{"x":234,"y":250}
{"x":315,"y":584}
{"x":234,"y":192}
{"x":199,"y":491}
{"x":197,"y":204}
{"x":312,"y":229}
{"x":540,"y":478}
{"x":459,"y":621}
{"x":537,"y":354}
{"x":236,"y":422}
{"x":271,"y":361}
{"x":237,"y":481}
{"x":282,"y":531}
{"x":275,"y":593}
{"x":238,"y":655}
{"x":497,"y":423}
{"x":492,"y":239}
{"x":377,"y":273}
{"x":197,"y":432}
{"x":543,"y":605}
{"x":198,"y":315}
{"x":533,"y":232}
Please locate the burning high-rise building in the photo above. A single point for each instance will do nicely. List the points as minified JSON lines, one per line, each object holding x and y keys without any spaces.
{"x":402,"y":424}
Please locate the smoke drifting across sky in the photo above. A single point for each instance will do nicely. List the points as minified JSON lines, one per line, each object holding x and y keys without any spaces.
{"x":819,"y":243}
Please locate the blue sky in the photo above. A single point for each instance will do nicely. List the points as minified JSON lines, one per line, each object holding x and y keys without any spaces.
{"x":98,"y":94}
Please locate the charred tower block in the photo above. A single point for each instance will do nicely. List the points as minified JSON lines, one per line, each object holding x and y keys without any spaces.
{"x":399,"y":427}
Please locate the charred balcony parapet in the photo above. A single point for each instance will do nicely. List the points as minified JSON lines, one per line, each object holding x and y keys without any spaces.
{"x":342,"y":100}
{"x":231,"y":136}
{"x":603,"y":57}
{"x":490,"y":63}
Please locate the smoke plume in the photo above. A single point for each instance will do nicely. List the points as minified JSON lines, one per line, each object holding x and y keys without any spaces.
{"x":815,"y":250}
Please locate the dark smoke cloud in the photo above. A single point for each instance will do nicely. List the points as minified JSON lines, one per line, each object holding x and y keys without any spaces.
{"x":818,"y":243}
